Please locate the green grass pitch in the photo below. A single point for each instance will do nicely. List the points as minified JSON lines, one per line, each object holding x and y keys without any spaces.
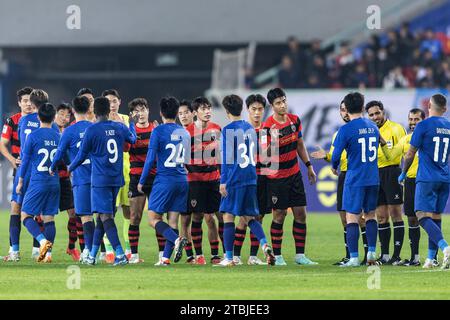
{"x":29,"y":280}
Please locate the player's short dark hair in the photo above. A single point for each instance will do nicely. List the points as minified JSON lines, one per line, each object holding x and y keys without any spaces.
{"x":138,"y":102}
{"x":101,"y":106}
{"x":199,"y":101}
{"x":417,"y":110}
{"x":112,"y":92}
{"x":374,"y":103}
{"x":255,"y":98}
{"x":46,"y":112}
{"x":85,"y":91}
{"x":275,"y":93}
{"x":233,"y":104}
{"x":439,"y":100}
{"x":169,"y":107}
{"x":64,"y":106}
{"x":22,"y":92}
{"x":354,"y":102}
{"x":186,"y":103}
{"x":38,"y":97}
{"x":80,"y":104}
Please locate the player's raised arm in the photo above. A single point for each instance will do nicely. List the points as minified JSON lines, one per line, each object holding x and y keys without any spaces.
{"x":415,"y":144}
{"x":85,"y":149}
{"x":27,"y":156}
{"x":130,"y":133}
{"x":303,"y":154}
{"x":62,"y":150}
{"x":339,"y":146}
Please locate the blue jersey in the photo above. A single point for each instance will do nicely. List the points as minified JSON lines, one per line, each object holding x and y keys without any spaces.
{"x":170,"y":144}
{"x":359,"y":138}
{"x":38,"y":153}
{"x":27,"y":125}
{"x":239,"y":145}
{"x":103,"y":143}
{"x":69,"y":145}
{"x":432,"y":137}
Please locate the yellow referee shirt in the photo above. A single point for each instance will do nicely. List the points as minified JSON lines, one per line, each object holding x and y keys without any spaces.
{"x":126,"y":155}
{"x":392,"y":132}
{"x":402,"y":148}
{"x":343,"y":163}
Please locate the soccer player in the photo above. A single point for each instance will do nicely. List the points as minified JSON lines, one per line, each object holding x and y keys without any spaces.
{"x":103,"y":143}
{"x":42,"y":195}
{"x":169,"y":144}
{"x":10,"y":134}
{"x":360,"y":138}
{"x":322,"y":154}
{"x":122,"y":198}
{"x":62,"y":120}
{"x":140,"y":110}
{"x":390,"y":198}
{"x":431,"y":138}
{"x":286,"y":189}
{"x":204,"y":178}
{"x":81,"y":182}
{"x":238,"y":179}
{"x":88,"y":93}
{"x":256,"y":104}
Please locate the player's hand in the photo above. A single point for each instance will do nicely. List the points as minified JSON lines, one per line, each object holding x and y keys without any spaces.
{"x":139,"y":188}
{"x":50,"y":171}
{"x":18,"y":161}
{"x":311,"y":175}
{"x":401,"y":177}
{"x":19,"y":187}
{"x":134,"y":116}
{"x":14,"y":163}
{"x":223,"y":190}
{"x":318,"y":154}
{"x":334,"y":172}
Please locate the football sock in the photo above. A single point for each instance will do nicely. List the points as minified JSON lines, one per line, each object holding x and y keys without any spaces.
{"x":439,"y":224}
{"x":221,"y":236}
{"x":99,"y":232}
{"x":276,"y":235}
{"x":107,"y":243}
{"x":257,"y":230}
{"x":364,"y":239}
{"x":399,"y":234}
{"x":33,"y":228}
{"x":161,"y":241}
{"x":168,"y":233}
{"x":384,"y":232}
{"x":347,"y":253}
{"x":197,"y":235}
{"x":80,"y":233}
{"x":414,"y":239}
{"x":254,"y":244}
{"x":72,"y":228}
{"x":50,"y":231}
{"x":102,"y":246}
{"x":214,"y":244}
{"x":88,"y":230}
{"x":371,"y":234}
{"x":434,"y":233}
{"x":239,"y":238}
{"x":168,"y":248}
{"x":133,"y":236}
{"x":228,"y":234}
{"x":188,"y":248}
{"x":352,"y":239}
{"x":299,"y":232}
{"x":125,"y":228}
{"x":14,"y":231}
{"x":113,"y":237}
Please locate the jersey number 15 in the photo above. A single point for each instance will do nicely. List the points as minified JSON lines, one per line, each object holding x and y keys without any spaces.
{"x":372,"y":148}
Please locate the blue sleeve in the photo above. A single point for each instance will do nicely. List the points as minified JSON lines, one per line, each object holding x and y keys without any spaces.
{"x":55,"y":127}
{"x":417,"y":136}
{"x":27,"y":156}
{"x":83,"y":153}
{"x":130,"y":133}
{"x":223,"y":171}
{"x":62,"y":149}
{"x":339,"y":145}
{"x":151,"y":157}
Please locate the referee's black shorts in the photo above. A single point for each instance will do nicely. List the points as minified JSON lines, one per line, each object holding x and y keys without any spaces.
{"x":340,"y":190}
{"x":390,"y":192}
{"x":410,"y":192}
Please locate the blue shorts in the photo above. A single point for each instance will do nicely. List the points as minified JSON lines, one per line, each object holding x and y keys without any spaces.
{"x":41,"y":198}
{"x":82,"y":199}
{"x":167,"y":197}
{"x":241,"y":201}
{"x":431,"y":196}
{"x":18,"y":198}
{"x":359,"y":198}
{"x":103,"y":199}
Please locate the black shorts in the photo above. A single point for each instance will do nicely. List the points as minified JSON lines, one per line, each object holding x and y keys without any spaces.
{"x":410,"y":192}
{"x":390,"y":192}
{"x":147,"y":188}
{"x":287,"y":192}
{"x":204,"y":197}
{"x":263,"y":195}
{"x":65,"y":194}
{"x":340,"y":190}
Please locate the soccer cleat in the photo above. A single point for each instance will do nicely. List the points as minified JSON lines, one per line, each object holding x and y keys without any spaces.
{"x":446,"y":261}
{"x":47,"y":259}
{"x":255,"y":261}
{"x":225,"y":263}
{"x":89,"y":261}
{"x":200,"y":260}
{"x":84,"y":254}
{"x":435,"y":263}
{"x":190,"y":260}
{"x":110,"y":257}
{"x":410,"y":263}
{"x":380,"y":261}
{"x":134,"y":259}
{"x":394,"y":261}
{"x":120,"y":260}
{"x":371,"y":259}
{"x":180,"y":243}
{"x":12,"y":256}
{"x":279,"y":261}
{"x":34,"y":253}
{"x":163,"y":262}
{"x":74,"y":253}
{"x":270,"y":257}
{"x":215,"y":259}
{"x":128,"y":254}
{"x":237,"y":260}
{"x":102,"y":257}
{"x":342,"y":261}
{"x":47,"y":245}
{"x":428,"y":264}
{"x":353,"y":262}
{"x":363,"y":262}
{"x":303,"y":260}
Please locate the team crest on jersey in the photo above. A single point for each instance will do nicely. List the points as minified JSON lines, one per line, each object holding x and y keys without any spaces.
{"x":5,"y":129}
{"x":293,"y":128}
{"x":389,"y":144}
{"x":193,"y":203}
{"x":274,"y":199}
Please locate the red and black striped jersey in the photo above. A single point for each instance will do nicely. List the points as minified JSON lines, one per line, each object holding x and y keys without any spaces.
{"x":285,"y":159}
{"x":138,"y":151}
{"x":261,"y":165}
{"x":10,"y":132}
{"x":204,"y":164}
